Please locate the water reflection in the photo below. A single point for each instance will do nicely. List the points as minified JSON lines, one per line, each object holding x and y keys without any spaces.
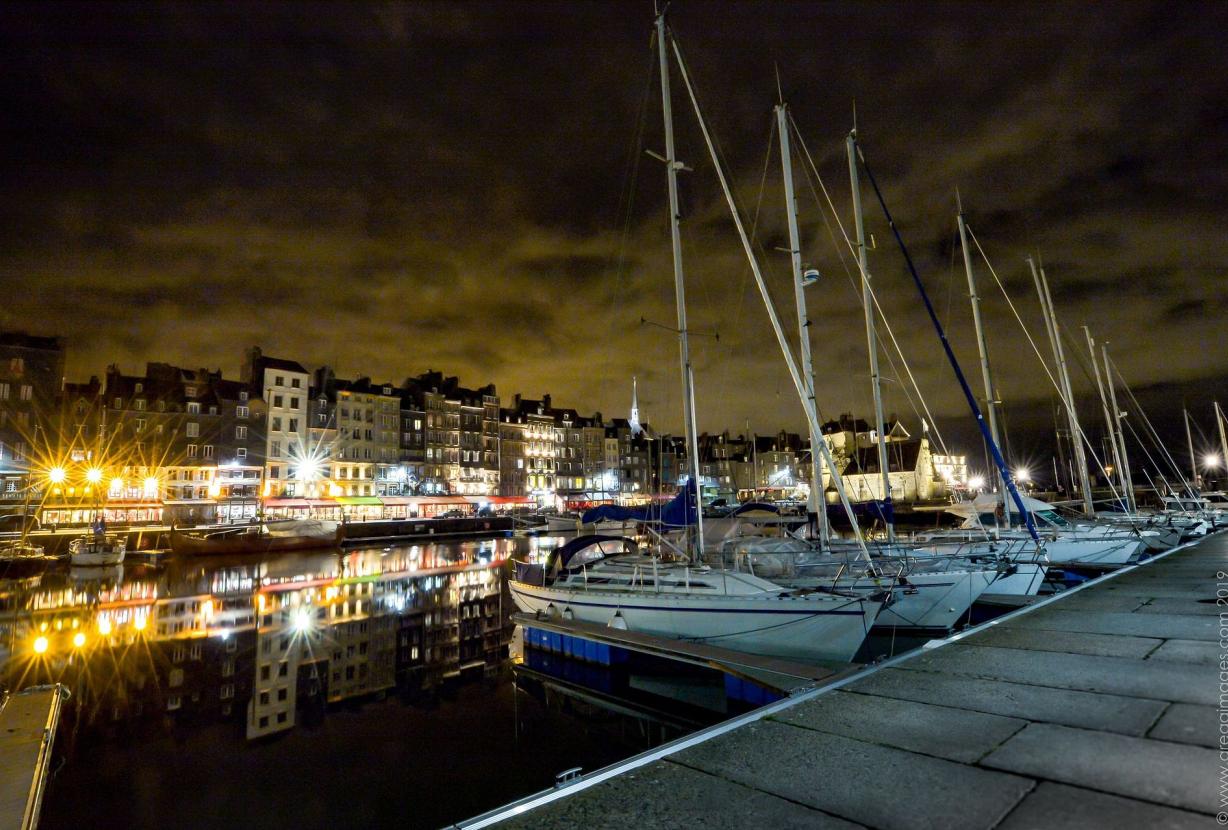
{"x":268,"y":640}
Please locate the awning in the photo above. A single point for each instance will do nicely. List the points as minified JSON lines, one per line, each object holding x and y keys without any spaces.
{"x":391,"y":501}
{"x":286,"y":503}
{"x":456,"y":500}
{"x":503,"y":499}
{"x":359,"y":501}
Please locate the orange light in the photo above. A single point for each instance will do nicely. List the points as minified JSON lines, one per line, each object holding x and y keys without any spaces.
{"x":78,"y":639}
{"x":93,"y":475}
{"x":40,"y":645}
{"x":57,"y":475}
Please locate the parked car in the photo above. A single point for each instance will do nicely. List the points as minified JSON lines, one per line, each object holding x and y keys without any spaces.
{"x":452,"y":514}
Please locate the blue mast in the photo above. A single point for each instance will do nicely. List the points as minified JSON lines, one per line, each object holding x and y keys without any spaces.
{"x":946,"y":345}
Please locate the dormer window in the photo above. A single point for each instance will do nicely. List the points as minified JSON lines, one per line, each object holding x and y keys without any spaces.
{"x":190,"y":391}
{"x":193,"y":408}
{"x":140,"y":387}
{"x":243,"y":395}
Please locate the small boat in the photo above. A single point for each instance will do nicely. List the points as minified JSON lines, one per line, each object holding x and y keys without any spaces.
{"x":97,"y":549}
{"x":288,"y":535}
{"x":17,"y":549}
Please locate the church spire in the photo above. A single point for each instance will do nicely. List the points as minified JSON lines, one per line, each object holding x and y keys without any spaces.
{"x":634,"y":420}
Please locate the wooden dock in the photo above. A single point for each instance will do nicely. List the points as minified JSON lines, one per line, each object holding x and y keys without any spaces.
{"x":1098,"y":708}
{"x":27,"y":730}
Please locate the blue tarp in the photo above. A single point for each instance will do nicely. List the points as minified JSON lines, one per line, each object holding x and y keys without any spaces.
{"x":679,"y":512}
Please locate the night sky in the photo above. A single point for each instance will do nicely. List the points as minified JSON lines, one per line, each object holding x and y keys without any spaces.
{"x":390,"y":188}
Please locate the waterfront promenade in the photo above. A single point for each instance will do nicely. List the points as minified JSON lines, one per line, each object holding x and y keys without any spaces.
{"x":1097,"y":708}
{"x":28,"y":722}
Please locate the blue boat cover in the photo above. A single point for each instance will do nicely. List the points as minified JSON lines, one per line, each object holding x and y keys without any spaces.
{"x":679,"y":512}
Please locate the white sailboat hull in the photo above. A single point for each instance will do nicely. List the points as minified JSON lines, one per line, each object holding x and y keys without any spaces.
{"x":813,"y":627}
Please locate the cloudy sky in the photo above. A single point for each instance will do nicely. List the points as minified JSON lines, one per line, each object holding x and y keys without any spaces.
{"x":389,"y":188}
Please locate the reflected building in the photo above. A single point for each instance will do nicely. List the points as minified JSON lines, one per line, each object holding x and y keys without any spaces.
{"x":267,"y":644}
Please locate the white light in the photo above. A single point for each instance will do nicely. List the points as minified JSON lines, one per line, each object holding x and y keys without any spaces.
{"x":976,"y":482}
{"x":308,"y":468}
{"x":302,"y":619}
{"x":1022,"y":474}
{"x":1210,"y":460}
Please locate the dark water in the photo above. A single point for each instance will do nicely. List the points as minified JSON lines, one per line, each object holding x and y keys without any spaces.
{"x":338,"y":689}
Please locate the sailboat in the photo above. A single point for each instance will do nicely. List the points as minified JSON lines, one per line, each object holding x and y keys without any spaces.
{"x":607,"y":580}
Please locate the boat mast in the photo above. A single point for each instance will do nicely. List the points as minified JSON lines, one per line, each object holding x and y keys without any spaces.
{"x":1223,"y":439}
{"x":684,"y":349}
{"x":1059,"y":355}
{"x":871,"y":338}
{"x":1108,"y":419}
{"x":1127,"y":480}
{"x":781,"y":340}
{"x":815,"y":504}
{"x":1189,"y":440}
{"x":991,"y":400}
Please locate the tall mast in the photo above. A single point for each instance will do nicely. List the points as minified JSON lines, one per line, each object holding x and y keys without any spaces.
{"x":991,"y":400}
{"x":1189,"y":440}
{"x":684,"y":349}
{"x":1126,"y":479}
{"x":1059,"y":355}
{"x":815,"y":503}
{"x":1223,"y":439}
{"x":871,"y":338}
{"x":1108,"y":419}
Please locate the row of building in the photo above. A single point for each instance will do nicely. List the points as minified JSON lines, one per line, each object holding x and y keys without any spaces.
{"x":186,"y":445}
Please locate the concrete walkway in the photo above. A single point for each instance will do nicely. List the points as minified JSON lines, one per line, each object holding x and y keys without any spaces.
{"x":27,"y":729}
{"x":1099,"y":709}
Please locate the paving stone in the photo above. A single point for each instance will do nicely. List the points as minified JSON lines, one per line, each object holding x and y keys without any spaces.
{"x":1164,"y":626}
{"x":1059,"y":807}
{"x":1096,"y":601}
{"x":1127,"y":715}
{"x":668,"y":795}
{"x":1175,"y":775}
{"x":1174,"y":605}
{"x":870,"y":784}
{"x":954,"y":734}
{"x":1179,"y":682}
{"x":1187,"y":724}
{"x":1188,"y":651}
{"x":1105,"y":645}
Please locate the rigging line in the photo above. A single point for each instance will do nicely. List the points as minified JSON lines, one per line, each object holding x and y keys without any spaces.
{"x":1043,"y":364}
{"x":754,"y":228}
{"x":631,"y":173}
{"x":873,"y":294}
{"x":1155,"y":435}
{"x":946,"y":345}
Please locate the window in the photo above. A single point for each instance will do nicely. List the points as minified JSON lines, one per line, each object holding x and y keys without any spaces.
{"x":140,"y":424}
{"x":241,"y":452}
{"x":226,"y":692}
{"x":281,"y":717}
{"x":294,"y":382}
{"x":240,"y":432}
{"x":274,"y":471}
{"x":4,"y":392}
{"x":208,"y":451}
{"x":173,"y":702}
{"x":275,"y":450}
{"x":195,"y":651}
{"x":193,"y":430}
{"x":281,"y":694}
{"x":264,"y":672}
{"x":189,"y":391}
{"x":294,"y":403}
{"x":178,"y":654}
{"x":17,"y":365}
{"x":294,"y":425}
{"x":242,"y":411}
{"x":281,"y":380}
{"x":138,"y":405}
{"x":277,"y":400}
{"x":192,"y":450}
{"x":228,"y":668}
{"x":213,"y":410}
{"x":264,"y":698}
{"x":243,"y":395}
{"x":118,"y":403}
{"x":264,"y":722}
{"x":277,"y":424}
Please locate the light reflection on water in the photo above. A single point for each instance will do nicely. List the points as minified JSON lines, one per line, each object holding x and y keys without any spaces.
{"x":287,"y":655}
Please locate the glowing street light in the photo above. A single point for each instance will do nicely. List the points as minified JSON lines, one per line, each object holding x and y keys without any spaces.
{"x":302,"y":619}
{"x":40,"y":645}
{"x":78,"y":639}
{"x":93,"y":475}
{"x":976,"y":482}
{"x":151,"y":486}
{"x":1210,"y":461}
{"x":104,"y":626}
{"x":1022,"y":474}
{"x":57,"y":475}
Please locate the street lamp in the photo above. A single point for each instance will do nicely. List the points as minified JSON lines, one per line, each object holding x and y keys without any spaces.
{"x":93,"y":475}
{"x":57,"y":475}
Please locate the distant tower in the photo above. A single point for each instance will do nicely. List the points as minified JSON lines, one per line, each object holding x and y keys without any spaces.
{"x":634,"y":420}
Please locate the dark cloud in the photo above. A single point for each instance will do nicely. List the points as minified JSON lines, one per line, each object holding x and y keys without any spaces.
{"x":388,"y":187}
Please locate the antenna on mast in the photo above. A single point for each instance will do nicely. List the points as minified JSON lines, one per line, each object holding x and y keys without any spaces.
{"x":780,"y":95}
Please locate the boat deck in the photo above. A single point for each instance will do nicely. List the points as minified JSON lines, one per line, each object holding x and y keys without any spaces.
{"x":27,"y":729}
{"x":1098,"y":707}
